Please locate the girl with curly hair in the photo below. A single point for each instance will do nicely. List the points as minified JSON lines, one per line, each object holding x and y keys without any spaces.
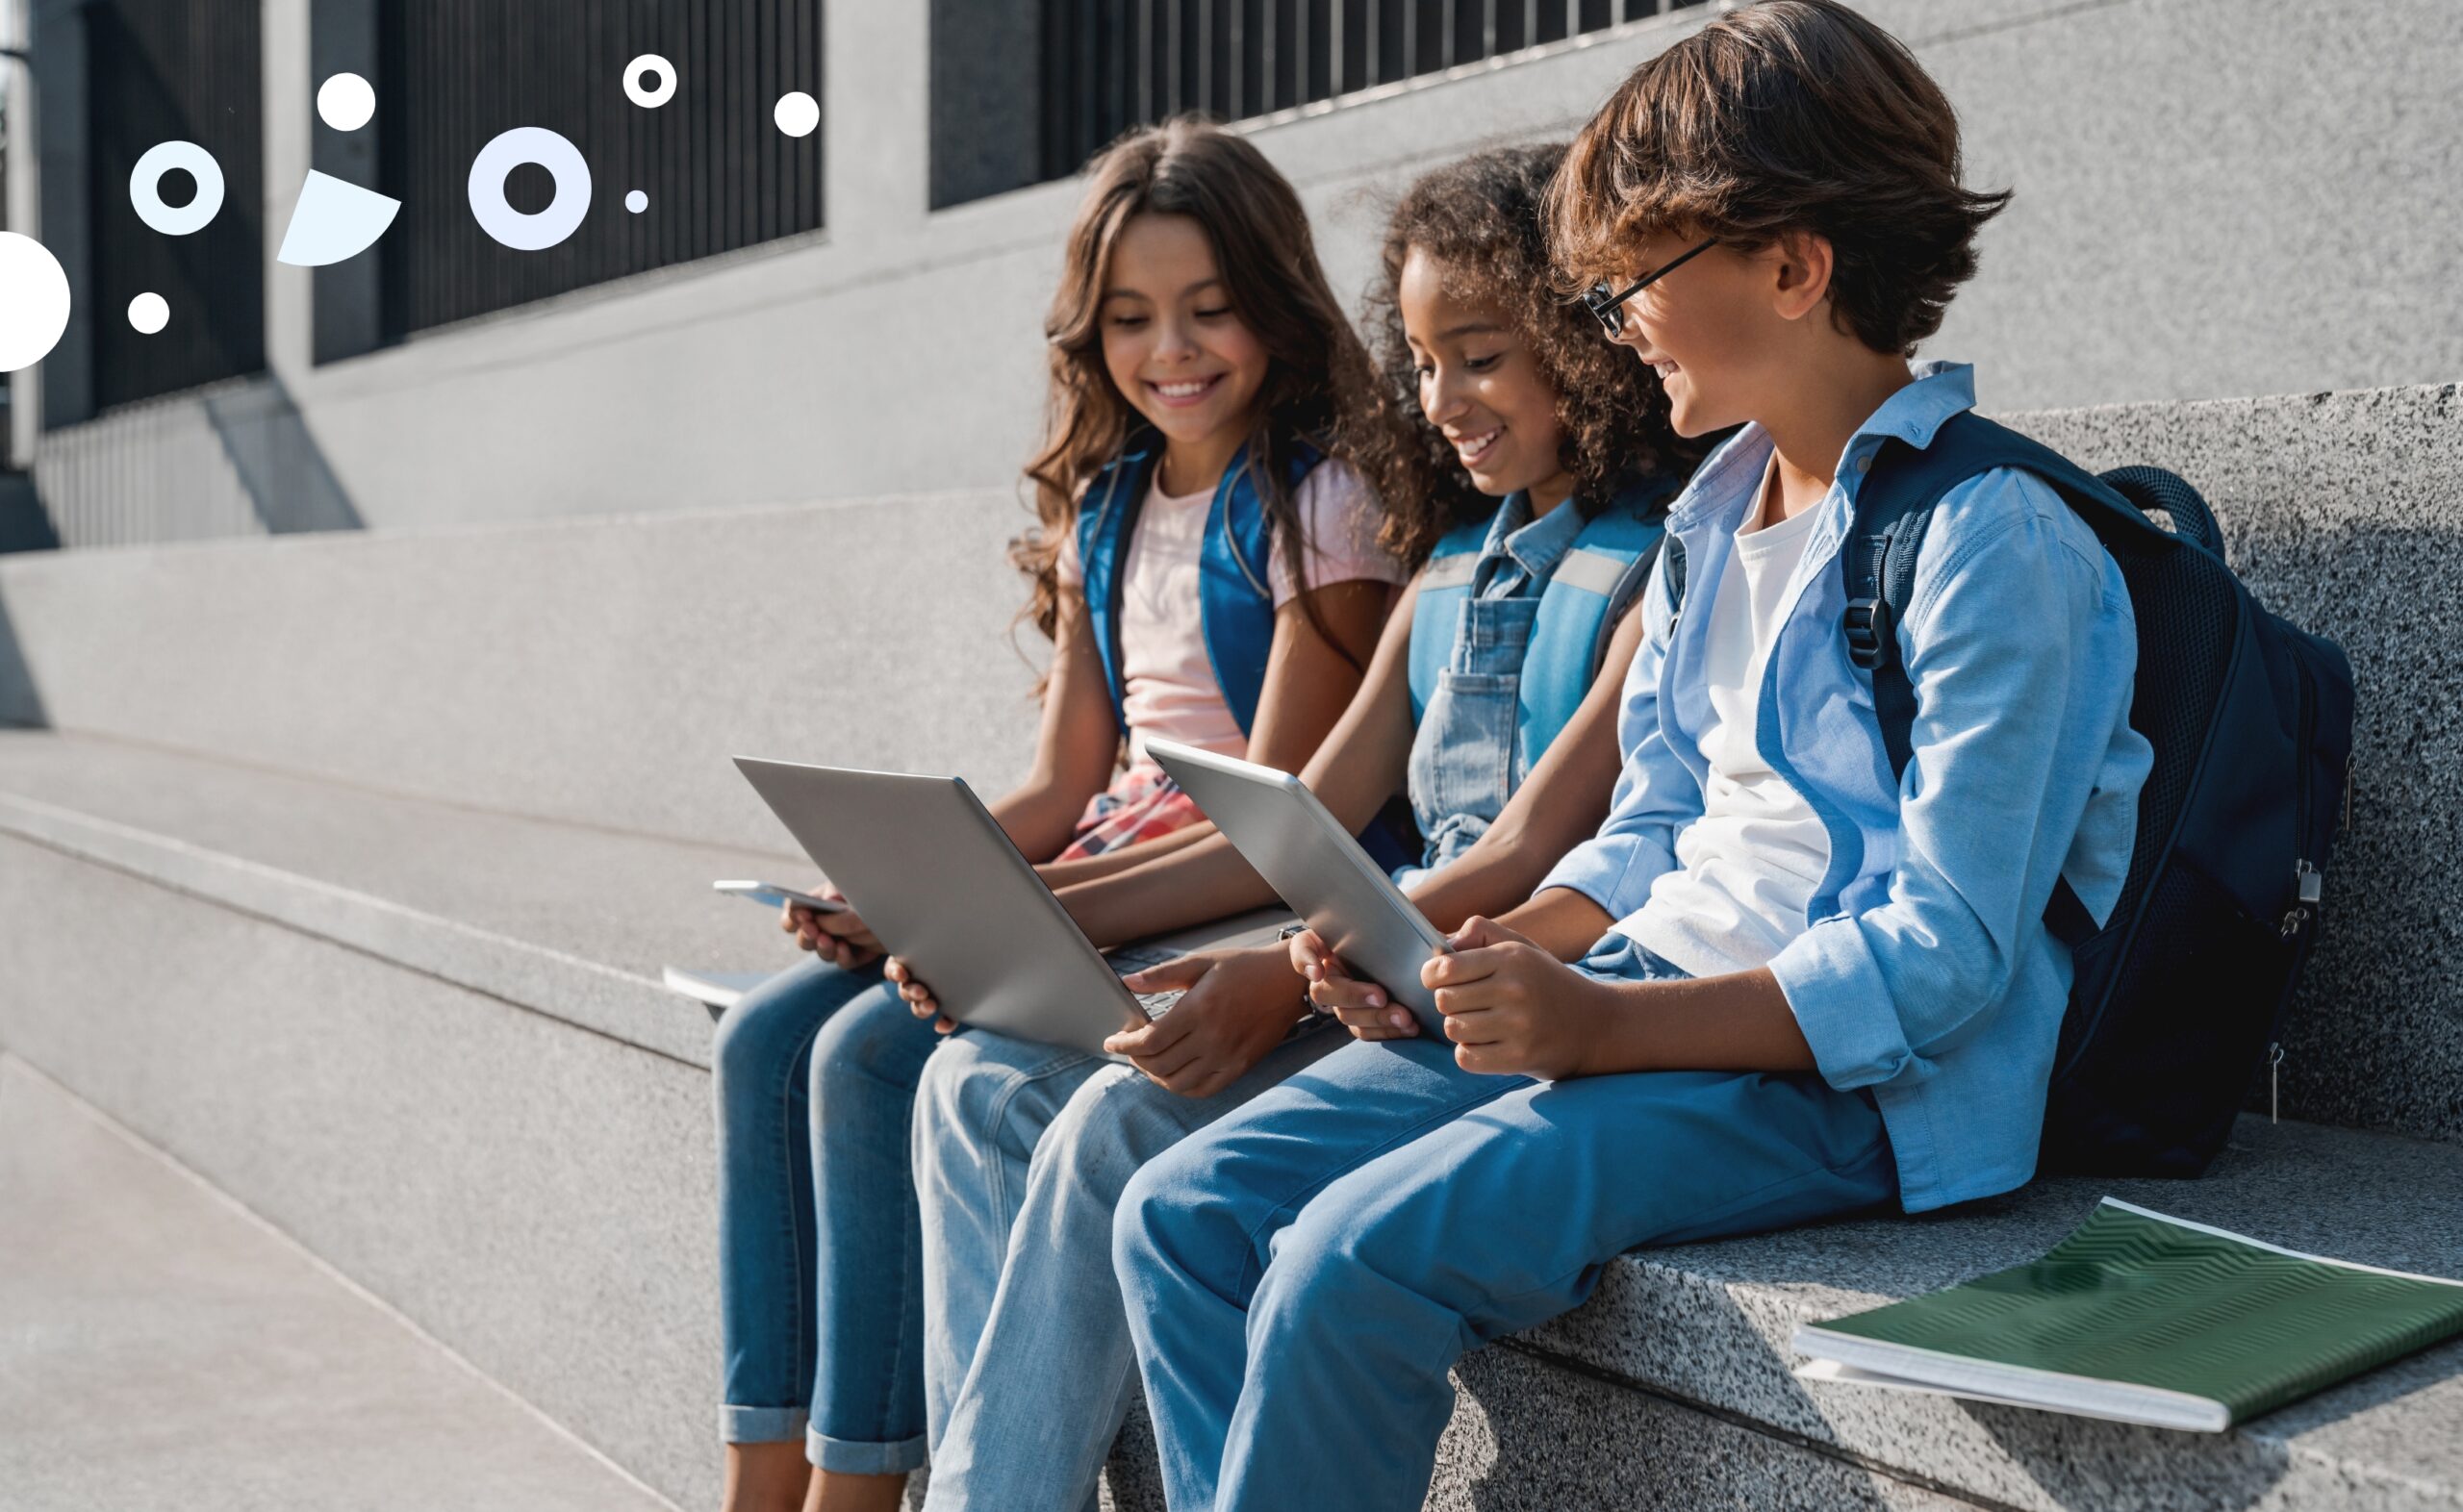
{"x":1523,"y":471}
{"x":1208,"y":570}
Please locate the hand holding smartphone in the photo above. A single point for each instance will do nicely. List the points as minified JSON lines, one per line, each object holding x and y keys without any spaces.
{"x":771,"y":894}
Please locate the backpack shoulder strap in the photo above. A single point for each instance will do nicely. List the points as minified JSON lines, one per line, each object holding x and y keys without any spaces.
{"x":1105,"y":518}
{"x":1894,"y":509}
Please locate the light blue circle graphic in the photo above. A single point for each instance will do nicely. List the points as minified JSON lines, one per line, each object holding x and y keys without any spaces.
{"x":145,"y":187}
{"x":637,"y":202}
{"x":563,"y":213}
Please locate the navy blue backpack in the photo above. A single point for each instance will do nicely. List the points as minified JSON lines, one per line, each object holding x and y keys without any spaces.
{"x":2180,"y":996}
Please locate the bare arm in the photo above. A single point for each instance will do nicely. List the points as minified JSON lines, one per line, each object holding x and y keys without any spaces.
{"x":1358,"y":764}
{"x":1074,"y":748}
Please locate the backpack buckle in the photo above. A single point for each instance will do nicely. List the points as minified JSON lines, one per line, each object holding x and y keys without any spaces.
{"x":1869,"y":631}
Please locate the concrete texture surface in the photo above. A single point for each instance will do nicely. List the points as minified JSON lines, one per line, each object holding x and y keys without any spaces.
{"x":160,"y":1347}
{"x":546,"y":1208}
{"x":600,"y":673}
{"x":538,"y":1199}
{"x":2314,"y":145}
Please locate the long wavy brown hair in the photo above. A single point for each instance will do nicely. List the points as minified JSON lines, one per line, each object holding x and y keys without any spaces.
{"x":1318,"y":385}
{"x":1484,"y":220}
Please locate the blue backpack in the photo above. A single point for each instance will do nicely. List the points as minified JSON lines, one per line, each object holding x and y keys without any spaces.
{"x":2181,"y":995}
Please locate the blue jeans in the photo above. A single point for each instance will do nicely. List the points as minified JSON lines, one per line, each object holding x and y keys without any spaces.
{"x":815,"y":1073}
{"x":1021,"y":1152}
{"x":1301,"y":1277}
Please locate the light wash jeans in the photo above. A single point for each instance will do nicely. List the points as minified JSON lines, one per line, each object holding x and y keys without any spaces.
{"x":1021,"y":1152}
{"x":814,"y":1077}
{"x":1301,"y":1277}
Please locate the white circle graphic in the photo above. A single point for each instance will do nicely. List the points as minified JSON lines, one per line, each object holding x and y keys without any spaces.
{"x":797,"y":113}
{"x":34,"y":301}
{"x":149,"y":312}
{"x":637,"y":202}
{"x":508,"y":152}
{"x":649,"y":99}
{"x":345,"y":102}
{"x":145,"y":183}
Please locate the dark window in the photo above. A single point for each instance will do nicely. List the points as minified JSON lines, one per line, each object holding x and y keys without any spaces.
{"x":175,"y":70}
{"x":1110,"y":65}
{"x":718,"y":173}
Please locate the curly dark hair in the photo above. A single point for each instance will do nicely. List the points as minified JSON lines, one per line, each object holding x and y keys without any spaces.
{"x":1787,"y":115}
{"x":1484,"y":220}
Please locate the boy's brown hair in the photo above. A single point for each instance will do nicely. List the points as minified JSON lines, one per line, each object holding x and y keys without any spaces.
{"x":1789,"y":116}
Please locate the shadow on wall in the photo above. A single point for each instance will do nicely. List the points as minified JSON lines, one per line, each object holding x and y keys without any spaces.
{"x":20,"y":704}
{"x":24,"y":524}
{"x":279,"y":465}
{"x":235,"y":460}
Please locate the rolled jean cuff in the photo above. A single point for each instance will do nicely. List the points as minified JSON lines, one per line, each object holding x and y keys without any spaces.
{"x":762,"y":1424}
{"x":855,"y":1457}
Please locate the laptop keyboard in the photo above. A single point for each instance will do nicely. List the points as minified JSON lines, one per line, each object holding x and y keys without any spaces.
{"x":1137,"y":958}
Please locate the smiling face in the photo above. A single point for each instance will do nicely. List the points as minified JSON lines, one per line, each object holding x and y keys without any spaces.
{"x":1719,"y":331}
{"x":1481,"y":385}
{"x":1173,"y":345}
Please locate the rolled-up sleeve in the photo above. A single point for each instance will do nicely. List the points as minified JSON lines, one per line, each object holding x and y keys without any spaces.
{"x":2021,"y":652}
{"x":1656,"y":796}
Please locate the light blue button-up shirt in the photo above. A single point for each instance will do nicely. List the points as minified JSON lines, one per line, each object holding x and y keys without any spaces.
{"x":1924,"y":971}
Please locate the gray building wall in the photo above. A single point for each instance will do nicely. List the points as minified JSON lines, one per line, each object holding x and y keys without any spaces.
{"x":2215,"y":198}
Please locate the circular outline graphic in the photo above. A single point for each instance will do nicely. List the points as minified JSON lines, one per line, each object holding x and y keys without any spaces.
{"x":145,"y":181}
{"x":158,"y":303}
{"x":510,"y":227}
{"x":801,"y":102}
{"x":359,"y":92}
{"x":649,"y":99}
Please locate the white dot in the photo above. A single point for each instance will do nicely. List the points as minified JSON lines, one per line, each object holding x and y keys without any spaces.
{"x":149,"y":312}
{"x":637,"y":202}
{"x":345,"y":101}
{"x":797,"y":113}
{"x":34,"y":301}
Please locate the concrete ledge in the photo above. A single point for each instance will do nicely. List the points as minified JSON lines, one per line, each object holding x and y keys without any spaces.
{"x":385,"y":1058}
{"x":553,"y":919}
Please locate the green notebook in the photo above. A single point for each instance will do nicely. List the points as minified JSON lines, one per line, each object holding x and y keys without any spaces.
{"x":2144,"y":1319}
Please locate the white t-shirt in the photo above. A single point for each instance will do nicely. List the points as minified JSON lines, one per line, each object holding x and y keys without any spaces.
{"x":1746,"y":868}
{"x":1168,"y":686}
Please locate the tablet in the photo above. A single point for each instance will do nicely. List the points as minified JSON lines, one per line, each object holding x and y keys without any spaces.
{"x":1317,"y":867}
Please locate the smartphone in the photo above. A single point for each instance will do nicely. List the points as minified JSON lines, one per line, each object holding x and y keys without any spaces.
{"x":770,"y":894}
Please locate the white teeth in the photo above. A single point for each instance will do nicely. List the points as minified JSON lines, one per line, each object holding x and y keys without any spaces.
{"x":1471,"y":448}
{"x":1184,"y":391}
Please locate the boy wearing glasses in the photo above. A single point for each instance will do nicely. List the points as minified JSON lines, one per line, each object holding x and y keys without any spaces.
{"x":1802,"y":987}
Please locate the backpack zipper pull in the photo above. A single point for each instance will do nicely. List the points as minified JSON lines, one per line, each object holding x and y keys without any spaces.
{"x":2308,"y":887}
{"x":2275,"y":1059}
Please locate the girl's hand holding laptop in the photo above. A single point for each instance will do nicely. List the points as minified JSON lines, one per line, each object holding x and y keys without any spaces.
{"x":1237,"y":1006}
{"x":1363,"y":1007}
{"x":839,"y":936}
{"x":918,"y":997}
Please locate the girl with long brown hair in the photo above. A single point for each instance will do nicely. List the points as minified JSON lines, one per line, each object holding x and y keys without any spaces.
{"x":1209,"y":570}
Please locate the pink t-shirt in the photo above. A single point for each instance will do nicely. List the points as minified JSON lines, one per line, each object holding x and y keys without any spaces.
{"x":1168,"y":687}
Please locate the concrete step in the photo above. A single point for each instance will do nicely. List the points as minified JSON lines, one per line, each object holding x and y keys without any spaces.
{"x":313,"y":994}
{"x":165,"y":1347}
{"x":599,"y":672}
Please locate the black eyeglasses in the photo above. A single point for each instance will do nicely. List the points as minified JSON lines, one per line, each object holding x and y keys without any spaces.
{"x":1610,"y":307}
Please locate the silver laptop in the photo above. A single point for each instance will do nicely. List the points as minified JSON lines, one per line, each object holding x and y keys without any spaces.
{"x":1314,"y":865}
{"x":935,"y":877}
